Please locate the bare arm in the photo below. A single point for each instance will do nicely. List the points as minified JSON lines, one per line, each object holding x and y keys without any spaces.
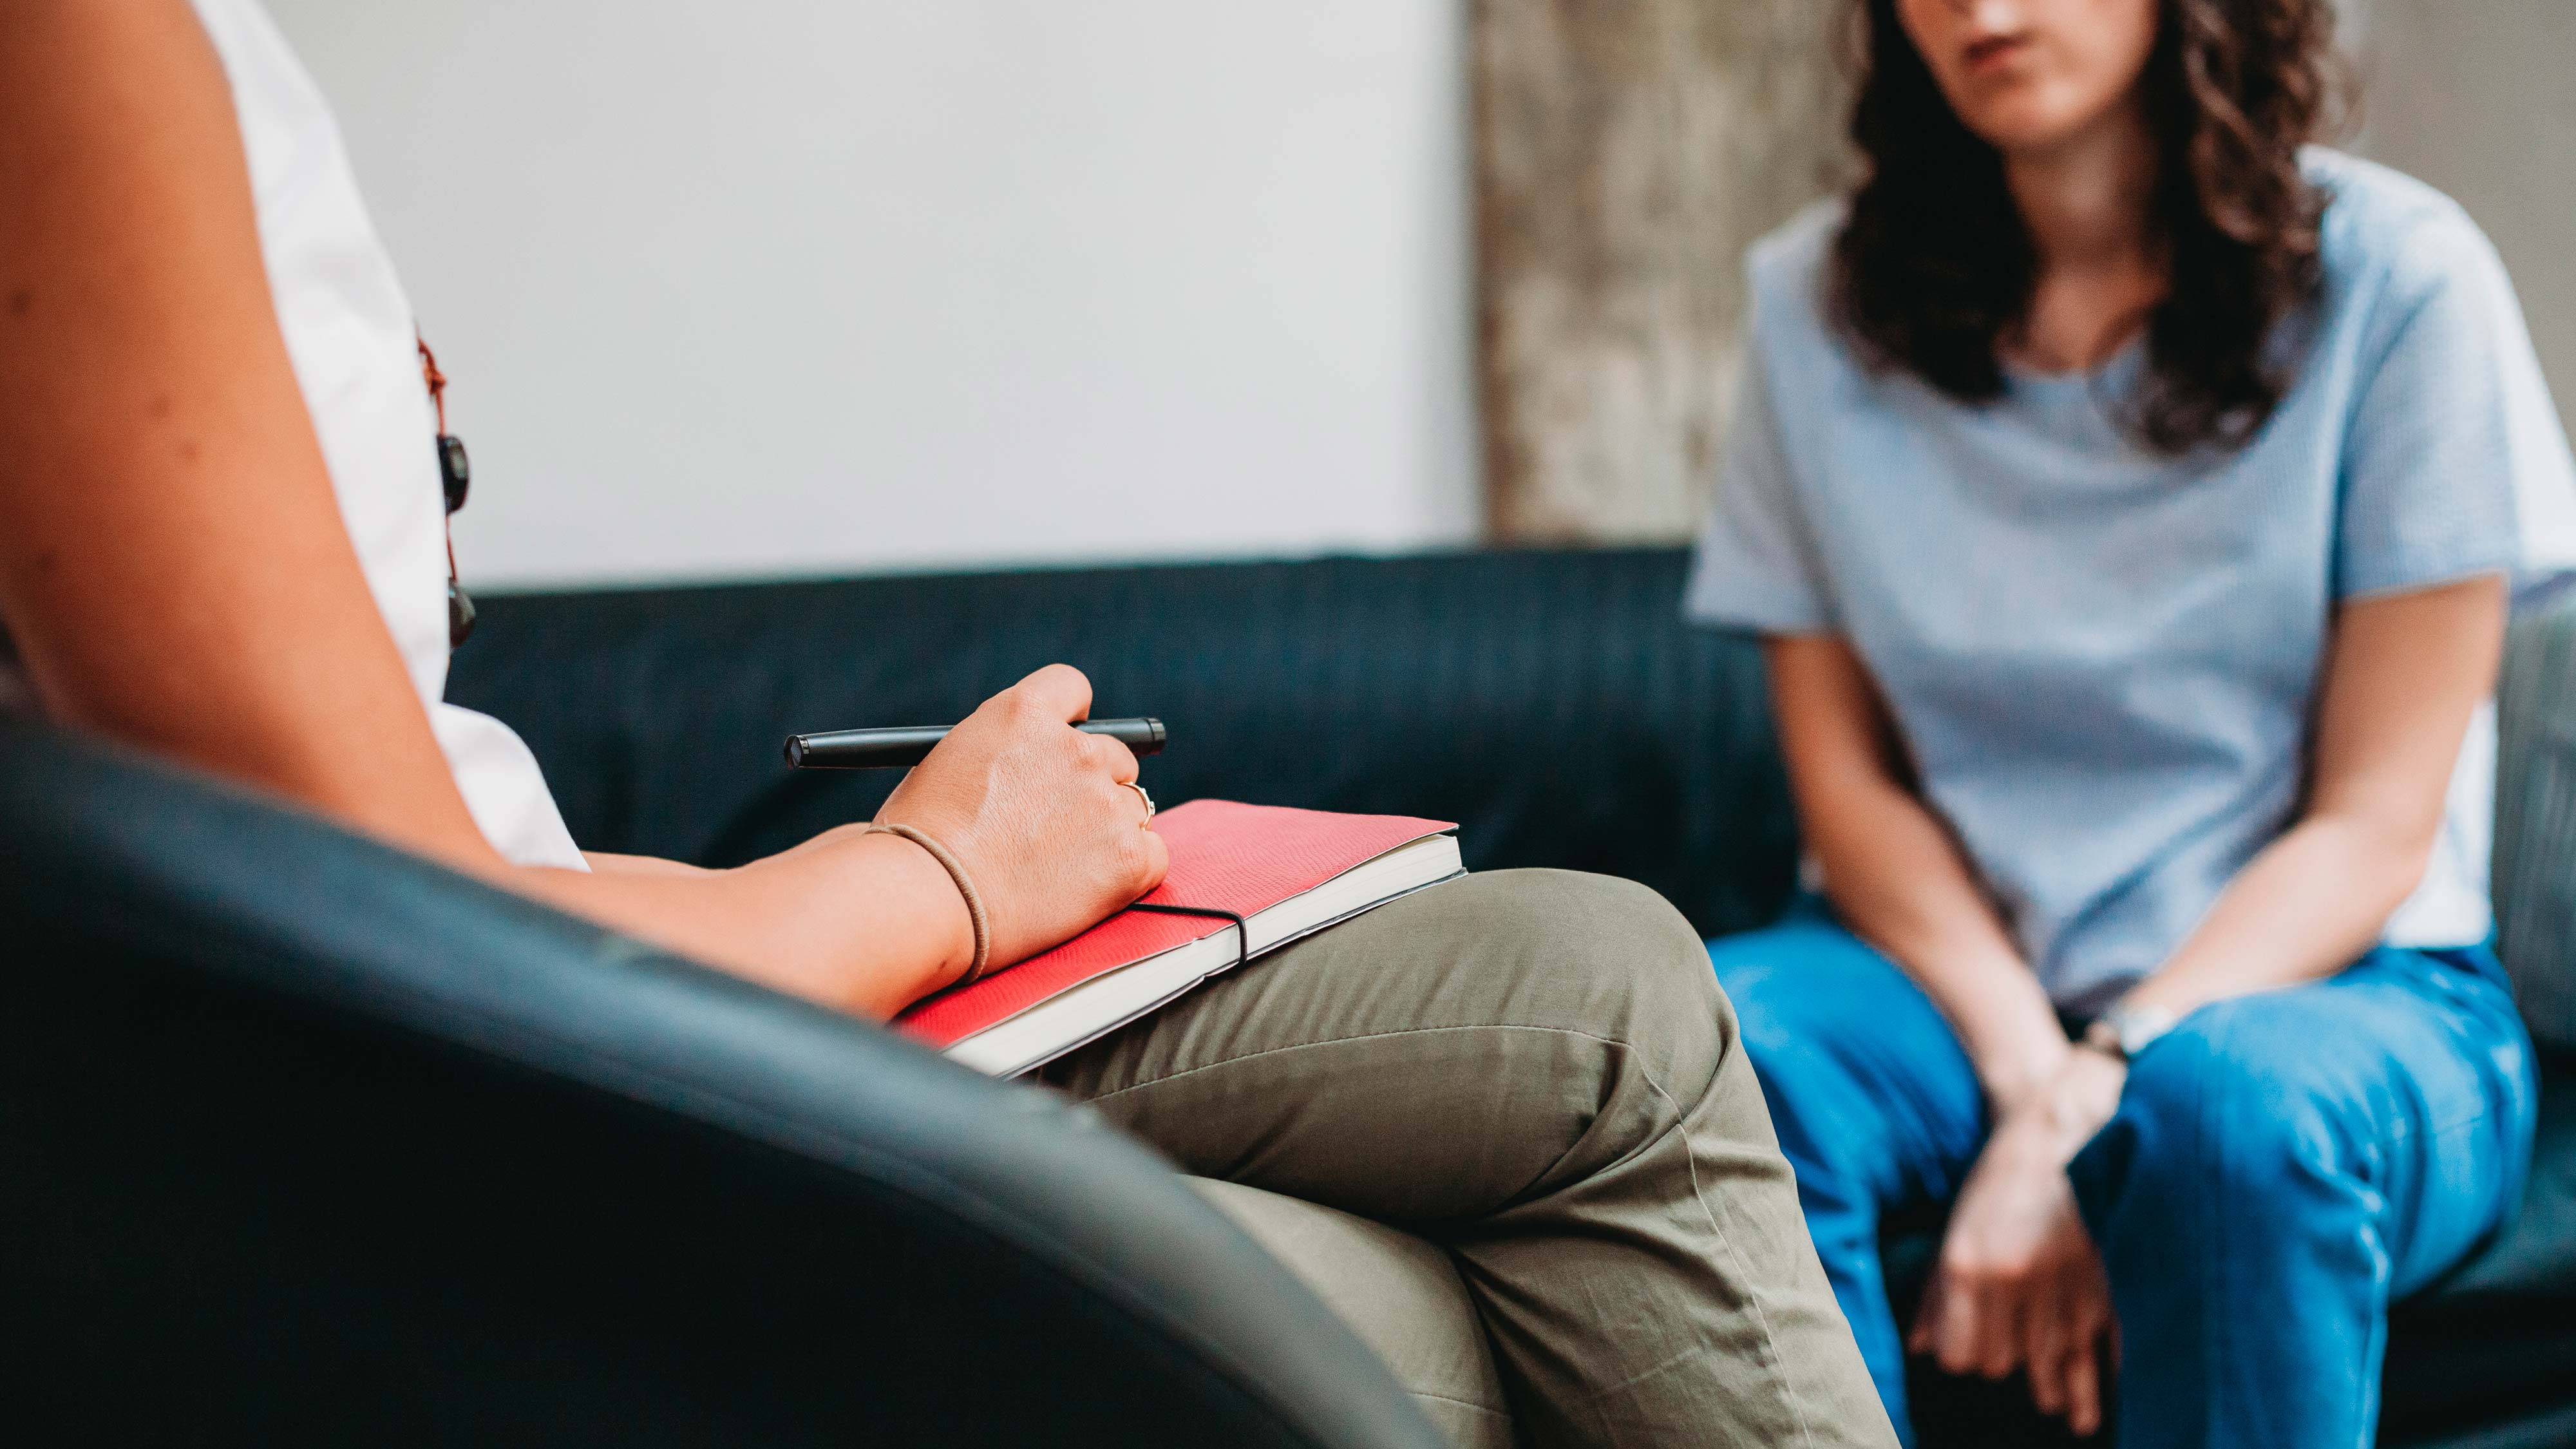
{"x":176,"y":574}
{"x":2403,"y":676}
{"x":1893,"y":870}
{"x":603,"y":862}
{"x":2019,"y":1282}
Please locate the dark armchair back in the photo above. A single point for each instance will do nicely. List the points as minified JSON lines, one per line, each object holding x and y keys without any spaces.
{"x":310,"y":1142}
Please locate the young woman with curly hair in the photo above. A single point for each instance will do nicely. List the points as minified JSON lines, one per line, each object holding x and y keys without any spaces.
{"x":2132,"y":497}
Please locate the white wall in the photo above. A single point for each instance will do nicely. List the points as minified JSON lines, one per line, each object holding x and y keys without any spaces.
{"x":814,"y":286}
{"x":809,"y":286}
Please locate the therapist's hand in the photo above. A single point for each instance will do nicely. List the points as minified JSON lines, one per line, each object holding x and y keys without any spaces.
{"x":1038,"y":812}
{"x":2020,"y":1284}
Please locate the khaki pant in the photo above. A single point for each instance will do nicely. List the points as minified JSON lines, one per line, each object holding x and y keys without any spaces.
{"x":1534,"y":1071}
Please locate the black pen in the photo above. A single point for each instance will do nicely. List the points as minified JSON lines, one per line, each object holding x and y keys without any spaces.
{"x":908,"y":745}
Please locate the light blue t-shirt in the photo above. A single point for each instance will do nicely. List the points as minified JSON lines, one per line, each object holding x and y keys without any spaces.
{"x":2104,"y":661}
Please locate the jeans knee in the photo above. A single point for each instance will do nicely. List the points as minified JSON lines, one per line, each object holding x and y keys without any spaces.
{"x":2209,"y":1112}
{"x":1762,"y":1015}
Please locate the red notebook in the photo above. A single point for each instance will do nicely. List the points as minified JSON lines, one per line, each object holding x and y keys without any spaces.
{"x":1289,"y":873}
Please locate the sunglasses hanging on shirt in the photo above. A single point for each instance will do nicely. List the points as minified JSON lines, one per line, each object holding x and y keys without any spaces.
{"x":456,"y":476}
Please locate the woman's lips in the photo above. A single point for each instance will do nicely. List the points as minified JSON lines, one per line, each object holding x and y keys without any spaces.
{"x":1994,"y":53}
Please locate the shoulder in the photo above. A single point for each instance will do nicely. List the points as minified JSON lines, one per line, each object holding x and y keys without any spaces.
{"x":1786,"y":277}
{"x":2391,"y":243}
{"x":1796,"y":251}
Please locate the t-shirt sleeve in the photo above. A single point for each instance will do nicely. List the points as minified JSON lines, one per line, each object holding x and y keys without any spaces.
{"x":2456,"y":463}
{"x":504,"y":790}
{"x":1756,"y":566}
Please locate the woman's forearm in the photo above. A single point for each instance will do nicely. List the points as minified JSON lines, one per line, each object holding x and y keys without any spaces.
{"x":1896,"y":878}
{"x":609,"y":862}
{"x":863,"y":923}
{"x":2404,"y":677}
{"x":2303,"y":909}
{"x":1894,"y":872}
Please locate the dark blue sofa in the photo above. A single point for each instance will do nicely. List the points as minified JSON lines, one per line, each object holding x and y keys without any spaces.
{"x":1551,"y":702}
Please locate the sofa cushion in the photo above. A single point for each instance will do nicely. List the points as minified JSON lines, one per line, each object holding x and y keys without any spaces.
{"x":2494,"y":1339}
{"x":2535,"y":846}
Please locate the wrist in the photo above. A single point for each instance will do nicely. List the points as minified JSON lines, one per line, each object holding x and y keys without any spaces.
{"x":2014,"y":1037}
{"x":2020,"y":1076}
{"x":2074,"y":1105}
{"x":940,"y":928}
{"x":2164,"y":992}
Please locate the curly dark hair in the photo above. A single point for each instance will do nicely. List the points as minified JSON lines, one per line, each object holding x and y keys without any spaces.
{"x":1934,"y":267}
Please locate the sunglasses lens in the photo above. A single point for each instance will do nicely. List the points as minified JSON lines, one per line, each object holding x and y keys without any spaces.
{"x":454,"y":472}
{"x":460,"y":615}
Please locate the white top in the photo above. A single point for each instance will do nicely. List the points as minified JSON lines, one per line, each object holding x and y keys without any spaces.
{"x":349,"y":331}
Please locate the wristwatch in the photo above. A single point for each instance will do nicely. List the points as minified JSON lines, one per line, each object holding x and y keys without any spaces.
{"x":2124,"y":1031}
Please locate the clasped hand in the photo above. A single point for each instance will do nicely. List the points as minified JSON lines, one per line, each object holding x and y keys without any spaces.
{"x":2020,"y":1284}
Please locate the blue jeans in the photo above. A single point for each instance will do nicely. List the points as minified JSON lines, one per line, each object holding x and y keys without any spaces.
{"x":2280,"y":1168}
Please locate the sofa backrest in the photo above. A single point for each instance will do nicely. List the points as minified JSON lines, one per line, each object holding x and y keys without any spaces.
{"x":1552,"y":701}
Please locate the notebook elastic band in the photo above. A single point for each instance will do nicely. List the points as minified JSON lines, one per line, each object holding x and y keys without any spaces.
{"x":1242,"y":932}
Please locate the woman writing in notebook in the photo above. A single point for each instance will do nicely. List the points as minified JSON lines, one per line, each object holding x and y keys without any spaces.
{"x":2131,"y":497}
{"x":221,"y":541}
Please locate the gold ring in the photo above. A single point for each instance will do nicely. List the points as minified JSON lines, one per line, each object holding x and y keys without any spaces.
{"x":1148,"y":799}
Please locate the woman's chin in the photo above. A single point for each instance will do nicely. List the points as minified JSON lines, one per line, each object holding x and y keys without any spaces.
{"x":2033,"y":129}
{"x":2035,"y":119}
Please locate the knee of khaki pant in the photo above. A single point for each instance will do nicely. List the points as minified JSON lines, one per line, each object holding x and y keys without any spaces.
{"x":1611,"y":958}
{"x":1487,"y":1040}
